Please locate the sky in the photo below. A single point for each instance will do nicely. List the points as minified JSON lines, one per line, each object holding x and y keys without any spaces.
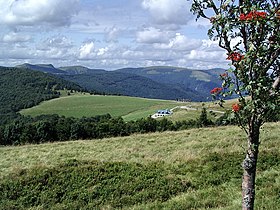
{"x":107,"y":34}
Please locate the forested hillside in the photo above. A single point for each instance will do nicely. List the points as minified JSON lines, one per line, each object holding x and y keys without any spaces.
{"x":22,"y":88}
{"x":80,"y":70}
{"x":163,"y":82}
{"x":201,"y":81}
{"x":130,"y":85}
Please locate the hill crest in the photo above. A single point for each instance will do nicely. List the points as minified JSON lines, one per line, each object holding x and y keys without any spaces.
{"x":162,"y":82}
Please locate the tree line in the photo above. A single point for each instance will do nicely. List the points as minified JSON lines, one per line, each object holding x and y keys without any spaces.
{"x":51,"y":128}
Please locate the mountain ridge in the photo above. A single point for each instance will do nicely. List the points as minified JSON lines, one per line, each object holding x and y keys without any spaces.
{"x":46,"y":68}
{"x":163,"y":82}
{"x":202,"y":81}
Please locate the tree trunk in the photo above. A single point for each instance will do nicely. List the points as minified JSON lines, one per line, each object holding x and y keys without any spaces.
{"x":249,"y":168}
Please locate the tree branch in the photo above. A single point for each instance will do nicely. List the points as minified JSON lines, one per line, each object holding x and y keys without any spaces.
{"x":213,"y":5}
{"x":273,"y":58}
{"x":276,"y":83}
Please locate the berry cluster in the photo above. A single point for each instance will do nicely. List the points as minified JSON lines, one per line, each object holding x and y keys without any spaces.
{"x":224,"y":75}
{"x":216,"y":90}
{"x":253,"y":15}
{"x":235,"y":56}
{"x":235,"y":107}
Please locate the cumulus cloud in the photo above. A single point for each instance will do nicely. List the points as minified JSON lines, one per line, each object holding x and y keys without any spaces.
{"x":208,"y":55}
{"x":102,"y":51}
{"x":59,"y":47}
{"x":205,"y":56}
{"x":111,"y":34}
{"x":168,"y":11}
{"x":180,"y":42}
{"x":16,"y":51}
{"x":13,"y":37}
{"x":179,"y":50}
{"x":104,"y":34}
{"x":152,"y":35}
{"x":34,"y":12}
{"x":56,"y":42}
{"x":86,"y":50}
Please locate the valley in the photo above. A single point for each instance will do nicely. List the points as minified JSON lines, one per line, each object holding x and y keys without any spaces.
{"x":84,"y":148}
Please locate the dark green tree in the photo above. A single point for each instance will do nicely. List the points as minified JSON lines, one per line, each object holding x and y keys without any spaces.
{"x":203,"y":119}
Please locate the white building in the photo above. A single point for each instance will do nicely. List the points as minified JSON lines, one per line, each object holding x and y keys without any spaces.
{"x":162,"y":113}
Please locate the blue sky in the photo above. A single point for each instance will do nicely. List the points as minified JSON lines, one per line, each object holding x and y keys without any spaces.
{"x":106,"y":34}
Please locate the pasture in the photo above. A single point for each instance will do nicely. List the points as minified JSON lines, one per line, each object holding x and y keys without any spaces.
{"x":87,"y":105}
{"x":130,"y":108}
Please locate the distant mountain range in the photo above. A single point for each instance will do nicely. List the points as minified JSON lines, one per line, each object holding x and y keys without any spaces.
{"x":49,"y":68}
{"x":46,"y":68}
{"x":199,"y":81}
{"x":161,"y":82}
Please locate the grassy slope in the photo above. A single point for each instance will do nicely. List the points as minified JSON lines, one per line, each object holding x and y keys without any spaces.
{"x":206,"y":161}
{"x":87,"y":105}
{"x":130,"y":108}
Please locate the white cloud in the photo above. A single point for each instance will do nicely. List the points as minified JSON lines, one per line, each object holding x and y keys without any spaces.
{"x":86,"y":50}
{"x":58,"y":41}
{"x":152,"y":35}
{"x":168,"y":11}
{"x":111,"y":34}
{"x":105,"y":34}
{"x":209,"y":55}
{"x":59,"y":47}
{"x":16,"y":51}
{"x":37,"y":12}
{"x":206,"y":56}
{"x":16,"y":37}
{"x":102,"y":51}
{"x":52,"y":53}
{"x":132,"y":54}
{"x":180,"y":42}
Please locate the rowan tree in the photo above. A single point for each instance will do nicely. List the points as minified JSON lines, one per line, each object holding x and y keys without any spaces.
{"x":248,"y":30}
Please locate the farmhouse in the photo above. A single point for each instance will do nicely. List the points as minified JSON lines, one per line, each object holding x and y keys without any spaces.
{"x":162,"y":113}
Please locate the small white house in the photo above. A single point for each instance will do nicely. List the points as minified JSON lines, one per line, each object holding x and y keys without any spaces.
{"x":162,"y":113}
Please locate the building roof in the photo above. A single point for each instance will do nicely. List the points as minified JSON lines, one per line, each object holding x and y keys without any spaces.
{"x":164,"y":111}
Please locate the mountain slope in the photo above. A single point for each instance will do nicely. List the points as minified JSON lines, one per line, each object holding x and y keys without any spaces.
{"x":150,"y":82}
{"x":130,"y":84}
{"x":201,"y":81}
{"x":46,"y":68}
{"x":79,"y":70}
{"x":23,"y":88}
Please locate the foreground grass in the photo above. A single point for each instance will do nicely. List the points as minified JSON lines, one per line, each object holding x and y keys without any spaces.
{"x":192,"y":169}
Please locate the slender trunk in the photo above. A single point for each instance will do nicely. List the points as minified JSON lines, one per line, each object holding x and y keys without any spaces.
{"x":249,"y":168}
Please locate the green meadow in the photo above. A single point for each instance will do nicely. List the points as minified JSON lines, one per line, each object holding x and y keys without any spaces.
{"x":130,"y":108}
{"x":190,"y":169}
{"x":87,"y":105}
